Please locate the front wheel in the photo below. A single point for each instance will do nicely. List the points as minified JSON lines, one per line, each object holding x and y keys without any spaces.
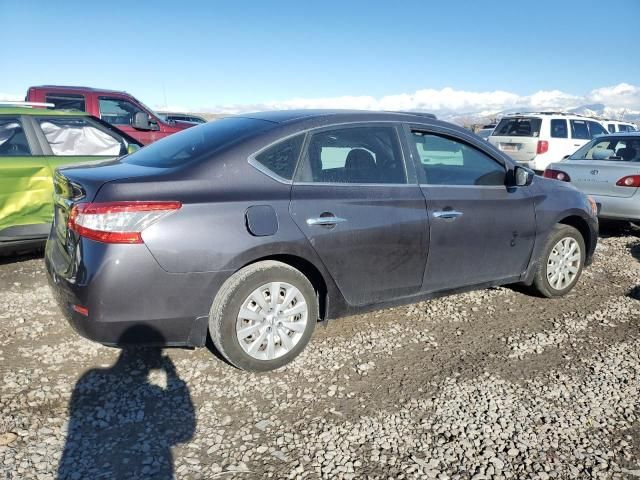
{"x":561,"y":262}
{"x":263,"y":316}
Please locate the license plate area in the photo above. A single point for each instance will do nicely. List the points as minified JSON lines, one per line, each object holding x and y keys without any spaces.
{"x":509,"y":147}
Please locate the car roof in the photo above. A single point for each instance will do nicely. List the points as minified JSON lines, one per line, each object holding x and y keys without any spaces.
{"x":40,"y":112}
{"x":620,"y":134}
{"x":83,"y":89}
{"x":330,"y":116}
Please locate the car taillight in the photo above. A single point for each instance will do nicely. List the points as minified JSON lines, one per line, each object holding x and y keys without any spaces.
{"x":117,"y":222}
{"x":556,"y":175}
{"x":629,"y":181}
{"x":543,"y":147}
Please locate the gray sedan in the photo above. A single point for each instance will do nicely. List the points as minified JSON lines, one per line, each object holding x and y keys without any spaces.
{"x":607,"y":168}
{"x":250,"y":229}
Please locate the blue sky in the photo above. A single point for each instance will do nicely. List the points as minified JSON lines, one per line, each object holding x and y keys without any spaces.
{"x":208,"y":54}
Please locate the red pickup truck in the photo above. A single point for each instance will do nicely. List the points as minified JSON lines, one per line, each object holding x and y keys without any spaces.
{"x":117,"y":108}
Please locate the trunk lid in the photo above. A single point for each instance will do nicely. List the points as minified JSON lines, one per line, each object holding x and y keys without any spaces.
{"x":599,"y":177}
{"x":81,"y":184}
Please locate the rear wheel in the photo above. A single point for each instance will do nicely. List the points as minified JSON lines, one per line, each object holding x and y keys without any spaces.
{"x":561,"y":262}
{"x":263,"y":316}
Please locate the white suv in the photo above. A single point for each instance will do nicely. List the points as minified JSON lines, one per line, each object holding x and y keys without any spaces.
{"x":616,"y":126}
{"x":537,"y":139}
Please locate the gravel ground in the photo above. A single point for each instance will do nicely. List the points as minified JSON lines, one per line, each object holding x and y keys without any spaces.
{"x":489,"y":384}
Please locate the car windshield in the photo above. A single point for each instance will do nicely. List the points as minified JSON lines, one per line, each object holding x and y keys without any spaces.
{"x":610,"y":148}
{"x":196,"y":143}
{"x":518,"y":127}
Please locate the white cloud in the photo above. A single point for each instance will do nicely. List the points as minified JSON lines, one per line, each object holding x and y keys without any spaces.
{"x":11,"y":97}
{"x":449,"y":102}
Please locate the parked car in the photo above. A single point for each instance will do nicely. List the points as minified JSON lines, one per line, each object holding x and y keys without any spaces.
{"x":607,"y":168}
{"x":182,"y":117}
{"x":537,"y":139}
{"x":616,"y":126}
{"x":252,"y":228}
{"x":486,"y":131}
{"x":33,"y":142}
{"x":117,"y":108}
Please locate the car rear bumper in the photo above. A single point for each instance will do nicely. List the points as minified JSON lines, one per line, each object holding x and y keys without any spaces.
{"x":123,"y":288}
{"x":619,"y":208}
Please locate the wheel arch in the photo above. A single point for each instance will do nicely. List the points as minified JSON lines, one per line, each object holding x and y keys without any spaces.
{"x":309,"y":270}
{"x":582,"y":226}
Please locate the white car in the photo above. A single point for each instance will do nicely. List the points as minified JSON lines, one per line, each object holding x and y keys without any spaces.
{"x":537,"y":139}
{"x":615,"y":126}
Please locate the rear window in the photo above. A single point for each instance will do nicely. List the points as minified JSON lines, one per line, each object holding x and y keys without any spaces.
{"x":196,"y":143}
{"x":624,"y":149}
{"x":518,"y":127}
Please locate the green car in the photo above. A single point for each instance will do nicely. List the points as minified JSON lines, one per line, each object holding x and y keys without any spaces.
{"x":33,"y":143}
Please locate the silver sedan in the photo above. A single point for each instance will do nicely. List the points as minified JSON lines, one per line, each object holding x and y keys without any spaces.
{"x":608,"y":169}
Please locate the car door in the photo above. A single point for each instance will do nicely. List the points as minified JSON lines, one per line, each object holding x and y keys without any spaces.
{"x":25,"y":182}
{"x":480,"y":230}
{"x":362,"y":211}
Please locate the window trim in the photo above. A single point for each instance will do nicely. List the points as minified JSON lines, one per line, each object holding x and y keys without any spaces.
{"x":452,"y":135}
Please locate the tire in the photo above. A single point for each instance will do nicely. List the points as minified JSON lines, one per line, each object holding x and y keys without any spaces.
{"x":264,"y":348}
{"x":555,"y":286}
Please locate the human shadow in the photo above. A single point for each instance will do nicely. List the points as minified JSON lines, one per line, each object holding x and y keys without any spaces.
{"x":120,"y":424}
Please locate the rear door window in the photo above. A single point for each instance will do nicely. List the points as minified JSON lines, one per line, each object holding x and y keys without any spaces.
{"x":518,"y":127}
{"x":596,"y":129}
{"x":612,"y":128}
{"x":354,"y":155}
{"x":559,"y":128}
{"x":66,"y":101}
{"x":69,"y":136}
{"x":13,"y":142}
{"x":580,"y":130}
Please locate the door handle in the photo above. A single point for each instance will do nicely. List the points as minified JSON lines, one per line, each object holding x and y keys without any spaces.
{"x":447,"y":214}
{"x":326,"y":221}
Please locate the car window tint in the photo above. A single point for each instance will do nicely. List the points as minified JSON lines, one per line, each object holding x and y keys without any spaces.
{"x":79,"y":136}
{"x":580,"y":130}
{"x":596,"y":129}
{"x":611,"y":127}
{"x":354,"y":155}
{"x":197,"y":143}
{"x":559,"y":128}
{"x":282,"y":157}
{"x":117,"y":111}
{"x":446,"y":161}
{"x":66,"y":101}
{"x":518,"y":127}
{"x":13,"y":141}
{"x":623,"y":128}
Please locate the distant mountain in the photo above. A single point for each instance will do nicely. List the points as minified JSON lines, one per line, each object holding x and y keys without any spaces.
{"x":590,"y":110}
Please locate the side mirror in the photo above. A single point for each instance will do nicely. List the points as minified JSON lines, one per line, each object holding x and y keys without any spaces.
{"x":141,"y":121}
{"x":132,"y":148}
{"x":523,"y":176}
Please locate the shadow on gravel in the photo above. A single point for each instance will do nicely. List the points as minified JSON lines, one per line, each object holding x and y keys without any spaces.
{"x":123,"y":420}
{"x":14,"y":257}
